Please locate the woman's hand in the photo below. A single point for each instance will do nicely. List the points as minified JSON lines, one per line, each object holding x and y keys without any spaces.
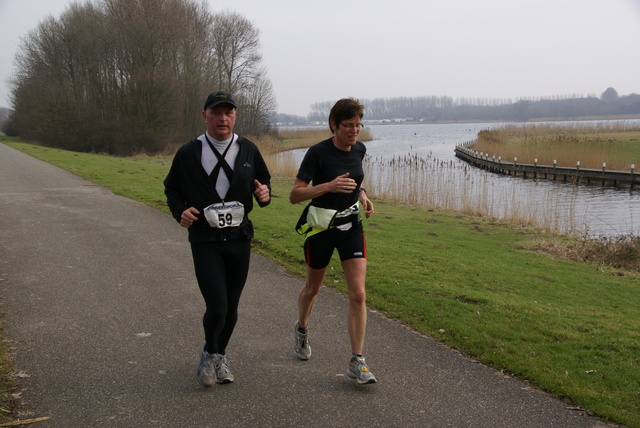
{"x":342,"y":184}
{"x":302,"y":192}
{"x":367,"y":205}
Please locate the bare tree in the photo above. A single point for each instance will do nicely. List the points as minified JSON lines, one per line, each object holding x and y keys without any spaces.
{"x":236,"y":52}
{"x":235,"y":42}
{"x":39,"y":81}
{"x":129,"y":76}
{"x":258,"y":106}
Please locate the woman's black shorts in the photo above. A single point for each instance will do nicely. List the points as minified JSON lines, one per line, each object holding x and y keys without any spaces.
{"x":351,"y":244}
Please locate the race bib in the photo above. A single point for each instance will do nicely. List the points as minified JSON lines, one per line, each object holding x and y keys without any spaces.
{"x":224,"y":214}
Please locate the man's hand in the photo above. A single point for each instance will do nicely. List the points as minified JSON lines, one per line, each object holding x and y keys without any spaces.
{"x":188,"y":217}
{"x":261,"y":192}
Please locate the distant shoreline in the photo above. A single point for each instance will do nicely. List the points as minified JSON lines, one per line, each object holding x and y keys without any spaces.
{"x":550,"y":119}
{"x":370,"y":122}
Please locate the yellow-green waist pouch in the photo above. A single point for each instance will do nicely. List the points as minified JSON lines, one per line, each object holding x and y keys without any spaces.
{"x":315,"y":219}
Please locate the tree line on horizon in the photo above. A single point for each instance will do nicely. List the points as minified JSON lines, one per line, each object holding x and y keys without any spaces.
{"x":435,"y":109}
{"x":131,"y":76}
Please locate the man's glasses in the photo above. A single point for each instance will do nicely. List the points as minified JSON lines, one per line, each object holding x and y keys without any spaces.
{"x":352,"y":125}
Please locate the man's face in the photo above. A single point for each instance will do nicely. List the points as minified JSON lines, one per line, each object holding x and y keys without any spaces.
{"x":220,"y":121}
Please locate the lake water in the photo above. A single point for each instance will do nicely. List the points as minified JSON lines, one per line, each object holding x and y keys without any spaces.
{"x":417,"y":164}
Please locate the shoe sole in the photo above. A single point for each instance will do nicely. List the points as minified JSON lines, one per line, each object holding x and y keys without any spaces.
{"x":224,"y":380}
{"x":302,"y":357}
{"x":203,"y":383}
{"x":361,"y":382}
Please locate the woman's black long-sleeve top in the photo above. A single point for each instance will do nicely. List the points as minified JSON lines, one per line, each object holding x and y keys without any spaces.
{"x":188,"y":185}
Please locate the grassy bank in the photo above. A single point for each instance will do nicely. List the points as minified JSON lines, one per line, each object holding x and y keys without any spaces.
{"x":479,"y":286}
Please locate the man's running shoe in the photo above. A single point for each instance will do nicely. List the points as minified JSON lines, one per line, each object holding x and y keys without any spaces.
{"x":301,"y":346}
{"x":223,"y":373}
{"x":359,"y":371}
{"x":206,"y":371}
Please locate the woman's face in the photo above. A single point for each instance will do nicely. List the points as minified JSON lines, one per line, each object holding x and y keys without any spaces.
{"x":345,"y":133}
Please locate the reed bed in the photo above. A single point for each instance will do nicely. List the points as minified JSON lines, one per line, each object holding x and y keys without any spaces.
{"x":454,"y":186}
{"x":615,"y":144}
{"x":451,"y":186}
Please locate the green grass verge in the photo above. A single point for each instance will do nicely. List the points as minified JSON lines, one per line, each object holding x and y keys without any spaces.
{"x":571,"y":329}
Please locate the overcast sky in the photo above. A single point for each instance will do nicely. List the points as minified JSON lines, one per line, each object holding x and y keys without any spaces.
{"x":324,"y":50}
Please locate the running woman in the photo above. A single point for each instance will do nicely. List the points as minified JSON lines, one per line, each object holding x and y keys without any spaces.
{"x":330,"y":176}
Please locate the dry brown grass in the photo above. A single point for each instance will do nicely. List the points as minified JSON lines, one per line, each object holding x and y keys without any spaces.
{"x":298,"y":138}
{"x":616,"y":144}
{"x":620,"y":252}
{"x":452,"y":186}
{"x":446,"y":185}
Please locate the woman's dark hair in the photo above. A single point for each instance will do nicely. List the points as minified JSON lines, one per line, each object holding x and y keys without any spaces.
{"x":345,"y":109}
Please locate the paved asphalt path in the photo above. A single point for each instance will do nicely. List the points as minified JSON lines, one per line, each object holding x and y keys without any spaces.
{"x":102,"y":309}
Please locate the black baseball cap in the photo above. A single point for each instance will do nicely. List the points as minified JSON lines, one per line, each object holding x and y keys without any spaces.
{"x":218,"y":98}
